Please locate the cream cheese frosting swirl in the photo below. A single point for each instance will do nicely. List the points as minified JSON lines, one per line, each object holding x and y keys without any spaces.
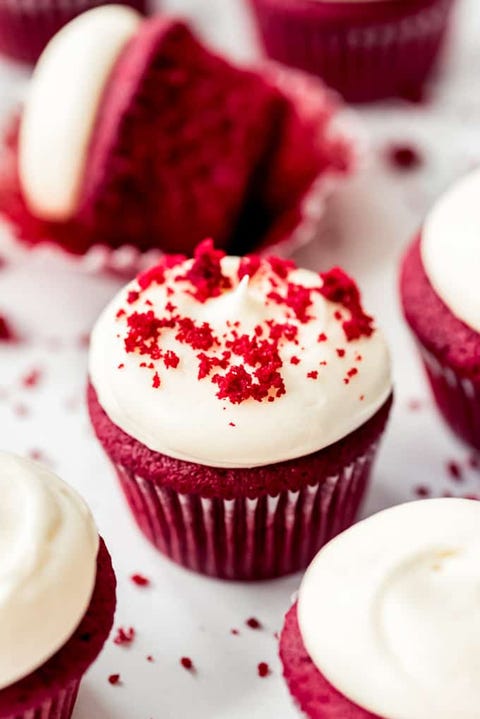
{"x":389,"y":611}
{"x":450,"y":249}
{"x":48,"y":552}
{"x":238,"y":363}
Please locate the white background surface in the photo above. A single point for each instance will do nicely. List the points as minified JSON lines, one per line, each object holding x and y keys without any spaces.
{"x":182,"y":614}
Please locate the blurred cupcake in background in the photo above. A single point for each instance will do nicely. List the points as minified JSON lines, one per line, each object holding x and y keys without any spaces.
{"x":26,"y":26}
{"x":387,"y":623}
{"x":135,"y":135}
{"x":440,"y":293}
{"x":58,"y":592}
{"x":366,"y":49}
{"x":241,"y":402}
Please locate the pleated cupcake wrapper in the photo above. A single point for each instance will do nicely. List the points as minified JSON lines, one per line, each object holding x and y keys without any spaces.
{"x":457,"y":398}
{"x":27,"y":25}
{"x":363,"y":61}
{"x":247,"y":539}
{"x":59,"y":706}
{"x":310,"y":96}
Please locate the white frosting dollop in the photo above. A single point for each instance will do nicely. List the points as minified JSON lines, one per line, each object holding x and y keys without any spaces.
{"x":61,"y":108}
{"x":48,"y":552}
{"x":450,"y":249}
{"x":389,"y":611}
{"x":184,"y":418}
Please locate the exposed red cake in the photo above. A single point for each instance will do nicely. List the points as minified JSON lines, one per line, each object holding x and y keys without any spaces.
{"x":311,"y":691}
{"x":366,"y":50}
{"x":50,"y":691}
{"x":450,"y":349}
{"x":187,"y":146}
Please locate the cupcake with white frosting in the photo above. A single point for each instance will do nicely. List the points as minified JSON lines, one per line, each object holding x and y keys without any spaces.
{"x":387,"y":622}
{"x":441,"y":301}
{"x":57,"y":590}
{"x":241,"y":402}
{"x":136,"y":138}
{"x":366,"y":49}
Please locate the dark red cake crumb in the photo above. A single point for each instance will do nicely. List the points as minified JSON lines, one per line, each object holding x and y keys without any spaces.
{"x":249,"y":265}
{"x":341,"y":353}
{"x":340,"y":288}
{"x":235,"y":632}
{"x":187,"y":664}
{"x":140,"y":580}
{"x":114,"y":679}
{"x":150,"y":659}
{"x":206,"y":274}
{"x":124,"y":636}
{"x":313,"y":374}
{"x":422,"y":491}
{"x":6,"y":332}
{"x":253,"y":623}
{"x":32,"y":378}
{"x":455,"y":471}
{"x":404,"y":157}
{"x":263,"y":670}
{"x":295,"y":360}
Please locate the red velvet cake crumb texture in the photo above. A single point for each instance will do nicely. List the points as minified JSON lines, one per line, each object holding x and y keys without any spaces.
{"x":187,"y":664}
{"x":124,"y":636}
{"x":263,"y":670}
{"x":140,"y":580}
{"x":114,"y":679}
{"x":6,"y":333}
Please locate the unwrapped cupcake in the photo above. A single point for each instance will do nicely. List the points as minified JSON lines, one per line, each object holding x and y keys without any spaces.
{"x":241,"y":402}
{"x":366,"y":49}
{"x":135,"y":135}
{"x":57,"y":590}
{"x":440,"y":293}
{"x":387,"y":623}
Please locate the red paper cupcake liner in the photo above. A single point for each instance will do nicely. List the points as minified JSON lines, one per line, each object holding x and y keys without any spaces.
{"x":367,"y":51}
{"x":310,"y":97}
{"x":27,"y":25}
{"x":458,"y":398}
{"x":247,"y":539}
{"x":59,"y":706}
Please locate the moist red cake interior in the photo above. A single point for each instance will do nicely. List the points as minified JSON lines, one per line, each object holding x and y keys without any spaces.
{"x":185,"y":146}
{"x":310,"y":689}
{"x":76,"y":655}
{"x":437,"y":328}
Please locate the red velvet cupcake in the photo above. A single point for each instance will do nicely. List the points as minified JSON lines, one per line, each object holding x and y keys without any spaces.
{"x":159,"y":143}
{"x":366,"y":49}
{"x":441,"y":301}
{"x":58,"y":592}
{"x":380,"y":629}
{"x":26,"y":26}
{"x":241,"y":402}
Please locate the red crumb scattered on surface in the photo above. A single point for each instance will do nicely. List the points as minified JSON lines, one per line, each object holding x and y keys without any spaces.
{"x":232,"y":424}
{"x":422,"y":491}
{"x":263,"y":670}
{"x":38,"y":455}
{"x":313,"y":374}
{"x":6,"y":332}
{"x":341,"y":353}
{"x":235,"y":632}
{"x":295,"y":360}
{"x":150,"y":659}
{"x":414,"y":405}
{"x":454,"y":470}
{"x":124,"y":637}
{"x":340,"y":288}
{"x":206,"y":274}
{"x":140,"y":580}
{"x":114,"y":679}
{"x":249,"y":265}
{"x":322,"y":337}
{"x":187,"y":664}
{"x":403,"y":157}
{"x":253,"y":623}
{"x":32,"y":379}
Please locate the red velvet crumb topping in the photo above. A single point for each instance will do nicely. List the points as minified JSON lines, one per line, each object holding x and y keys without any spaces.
{"x":263,"y":670}
{"x":340,"y":288}
{"x":140,"y":580}
{"x":206,"y":274}
{"x":124,"y":636}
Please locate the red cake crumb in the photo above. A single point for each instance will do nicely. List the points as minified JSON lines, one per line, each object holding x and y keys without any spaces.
{"x":281,"y":267}
{"x":150,"y":659}
{"x":414,"y":405}
{"x":235,"y":632}
{"x":322,"y":337}
{"x":206,"y":274}
{"x":295,"y":360}
{"x":297,"y":298}
{"x":187,"y":664}
{"x":140,"y":580}
{"x":6,"y":332}
{"x":114,"y":679}
{"x":124,"y":636}
{"x":422,"y":491}
{"x":132,"y":297}
{"x":454,"y":470}
{"x":199,"y":337}
{"x":253,"y":623}
{"x":341,"y":353}
{"x":313,"y":374}
{"x":263,"y":670}
{"x":404,"y":157}
{"x":248,"y":265}
{"x":32,"y":378}
{"x":338,"y":287}
{"x":156,"y":383}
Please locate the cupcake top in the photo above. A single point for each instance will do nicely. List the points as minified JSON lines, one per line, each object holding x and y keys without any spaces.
{"x":450,"y":249}
{"x":67,"y":84}
{"x":399,"y":594}
{"x":233,"y":362}
{"x":48,"y":556}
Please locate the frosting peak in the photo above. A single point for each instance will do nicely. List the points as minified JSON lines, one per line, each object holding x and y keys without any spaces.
{"x":48,"y":553}
{"x":238,"y":362}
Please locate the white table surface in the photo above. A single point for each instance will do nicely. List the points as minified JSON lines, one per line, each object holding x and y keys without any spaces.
{"x":182,"y":614}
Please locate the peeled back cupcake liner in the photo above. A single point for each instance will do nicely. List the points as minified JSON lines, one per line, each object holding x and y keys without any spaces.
{"x":302,"y":225}
{"x":367,"y":51}
{"x":27,"y":25}
{"x":59,"y":706}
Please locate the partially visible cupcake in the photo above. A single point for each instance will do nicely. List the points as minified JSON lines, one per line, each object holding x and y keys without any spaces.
{"x":387,"y":623}
{"x":440,"y":294}
{"x":241,"y":402}
{"x":134,"y":134}
{"x":57,"y":590}
{"x":26,"y":26}
{"x":366,"y":49}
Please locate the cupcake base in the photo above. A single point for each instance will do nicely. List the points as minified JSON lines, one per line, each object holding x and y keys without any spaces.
{"x":367,"y":51}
